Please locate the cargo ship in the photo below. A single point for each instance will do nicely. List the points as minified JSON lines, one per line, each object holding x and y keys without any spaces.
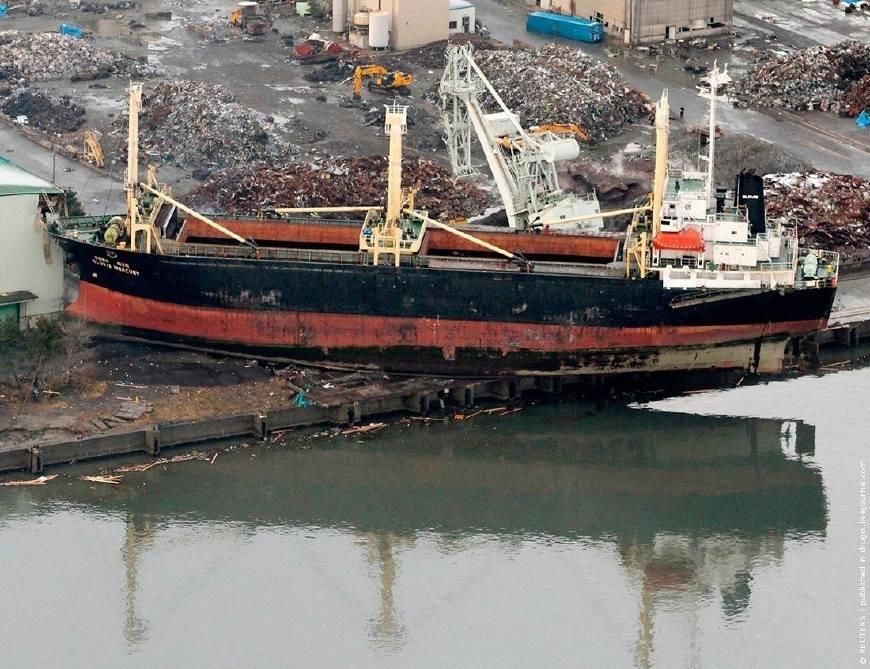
{"x":700,"y":280}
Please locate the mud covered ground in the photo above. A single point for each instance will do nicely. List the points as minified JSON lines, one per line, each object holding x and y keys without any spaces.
{"x":168,"y":384}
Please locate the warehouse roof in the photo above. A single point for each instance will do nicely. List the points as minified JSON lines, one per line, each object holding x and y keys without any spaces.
{"x":15,"y":180}
{"x":16,"y":297}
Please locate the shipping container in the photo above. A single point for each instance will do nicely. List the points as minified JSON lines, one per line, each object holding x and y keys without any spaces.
{"x":569,"y":27}
{"x":70,"y":30}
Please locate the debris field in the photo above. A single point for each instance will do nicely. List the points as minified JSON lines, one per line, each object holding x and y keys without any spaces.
{"x":46,"y":56}
{"x":202,"y":126}
{"x":51,"y":114}
{"x":814,"y":78}
{"x":559,"y":84}
{"x":341,"y":181}
{"x":858,"y":96}
{"x":831,"y":211}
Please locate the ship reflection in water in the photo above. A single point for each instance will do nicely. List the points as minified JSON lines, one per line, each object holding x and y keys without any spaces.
{"x":691,"y":507}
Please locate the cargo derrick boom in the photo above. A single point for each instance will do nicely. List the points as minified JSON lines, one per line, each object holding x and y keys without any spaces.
{"x":522,"y":163}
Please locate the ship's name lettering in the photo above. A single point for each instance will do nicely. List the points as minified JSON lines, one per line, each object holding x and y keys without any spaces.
{"x":122,"y":267}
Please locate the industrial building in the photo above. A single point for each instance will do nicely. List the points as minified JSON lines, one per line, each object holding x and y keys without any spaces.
{"x":31,"y":264}
{"x":644,"y":21}
{"x":461,"y":18}
{"x":394,"y":24}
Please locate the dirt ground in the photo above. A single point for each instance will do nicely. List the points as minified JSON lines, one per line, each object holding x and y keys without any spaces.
{"x":168,"y":384}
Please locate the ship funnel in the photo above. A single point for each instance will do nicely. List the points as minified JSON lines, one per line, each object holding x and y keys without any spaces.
{"x":750,"y":194}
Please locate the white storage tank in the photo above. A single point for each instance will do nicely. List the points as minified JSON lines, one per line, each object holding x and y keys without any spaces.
{"x":379,"y":30}
{"x":361,"y":19}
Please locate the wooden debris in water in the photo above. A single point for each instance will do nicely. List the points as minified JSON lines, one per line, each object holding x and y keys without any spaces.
{"x":364,"y":429}
{"x":145,"y":466}
{"x":113,"y":479}
{"x":42,"y":480}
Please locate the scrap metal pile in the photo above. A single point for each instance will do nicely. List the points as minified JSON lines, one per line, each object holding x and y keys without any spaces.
{"x":814,"y":78}
{"x":47,"y":56}
{"x":202,"y":126}
{"x":560,"y":84}
{"x":212,"y":29}
{"x":831,"y":211}
{"x":45,"y":112}
{"x":340,"y":182}
{"x":432,"y":55}
{"x":858,"y":96}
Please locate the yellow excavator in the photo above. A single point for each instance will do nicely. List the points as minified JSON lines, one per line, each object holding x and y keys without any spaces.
{"x":561,"y":129}
{"x":556,"y":128}
{"x":249,"y":17}
{"x":93,"y":151}
{"x":381,"y":80}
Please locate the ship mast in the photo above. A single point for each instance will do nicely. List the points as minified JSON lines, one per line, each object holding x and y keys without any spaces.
{"x":663,"y":111}
{"x":131,"y":178}
{"x":396,"y":125}
{"x":715,"y":79}
{"x":387,"y":235}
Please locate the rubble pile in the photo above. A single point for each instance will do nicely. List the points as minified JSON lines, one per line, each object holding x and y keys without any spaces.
{"x":736,"y":153}
{"x":340,"y":182}
{"x":432,"y":56}
{"x":858,"y":96}
{"x":46,"y":56}
{"x":831,"y":211}
{"x":195,"y":124}
{"x":212,"y":29}
{"x":424,"y":128}
{"x":814,"y":78}
{"x":334,"y":70}
{"x":55,"y":115}
{"x":559,"y":84}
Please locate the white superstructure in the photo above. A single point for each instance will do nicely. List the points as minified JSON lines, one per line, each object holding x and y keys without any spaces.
{"x":699,"y":240}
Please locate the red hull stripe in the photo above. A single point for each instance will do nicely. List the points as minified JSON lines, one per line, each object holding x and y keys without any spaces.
{"x":335,"y":331}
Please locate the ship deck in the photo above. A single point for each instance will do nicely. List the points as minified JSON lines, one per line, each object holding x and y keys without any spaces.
{"x":358,"y":258}
{"x":362,"y":258}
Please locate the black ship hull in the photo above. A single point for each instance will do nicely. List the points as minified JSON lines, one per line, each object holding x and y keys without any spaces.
{"x":440,"y":320}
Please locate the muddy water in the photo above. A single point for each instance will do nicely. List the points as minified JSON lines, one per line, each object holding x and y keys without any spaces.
{"x":664,"y":536}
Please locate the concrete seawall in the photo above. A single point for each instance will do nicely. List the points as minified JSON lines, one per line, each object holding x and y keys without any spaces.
{"x":152,"y":439}
{"x":409,"y":396}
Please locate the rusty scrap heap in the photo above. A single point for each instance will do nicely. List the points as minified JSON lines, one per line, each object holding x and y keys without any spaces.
{"x":198,"y":125}
{"x":560,"y":84}
{"x":858,"y":96}
{"x":339,"y":182}
{"x":814,"y":78}
{"x":47,"y":56}
{"x":831,"y":211}
{"x":46,"y":112}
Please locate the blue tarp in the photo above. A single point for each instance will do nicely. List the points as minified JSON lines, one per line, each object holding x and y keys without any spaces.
{"x":863,"y":120}
{"x":70,"y":30}
{"x":3,"y":9}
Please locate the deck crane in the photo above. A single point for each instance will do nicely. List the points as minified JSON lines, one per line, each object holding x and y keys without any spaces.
{"x":523,"y":163}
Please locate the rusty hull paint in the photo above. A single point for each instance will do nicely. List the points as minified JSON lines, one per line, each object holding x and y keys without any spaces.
{"x":411,"y":344}
{"x":345,"y":234}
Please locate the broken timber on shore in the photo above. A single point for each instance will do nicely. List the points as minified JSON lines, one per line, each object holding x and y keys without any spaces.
{"x":406,"y":396}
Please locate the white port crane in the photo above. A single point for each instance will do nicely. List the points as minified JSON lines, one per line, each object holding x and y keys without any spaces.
{"x":522,"y":163}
